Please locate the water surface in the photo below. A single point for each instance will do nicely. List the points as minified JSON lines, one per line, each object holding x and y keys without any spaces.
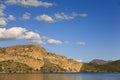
{"x":62,"y":76}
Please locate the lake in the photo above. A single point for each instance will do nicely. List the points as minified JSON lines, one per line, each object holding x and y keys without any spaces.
{"x":62,"y":76}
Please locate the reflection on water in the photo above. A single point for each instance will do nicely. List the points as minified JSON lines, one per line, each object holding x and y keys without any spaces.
{"x":21,"y":77}
{"x":83,"y":76}
{"x":70,"y":76}
{"x":61,"y":77}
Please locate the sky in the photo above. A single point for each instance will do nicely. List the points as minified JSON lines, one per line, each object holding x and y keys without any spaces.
{"x":79,"y":29}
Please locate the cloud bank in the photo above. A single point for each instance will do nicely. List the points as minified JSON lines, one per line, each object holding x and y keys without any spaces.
{"x":19,"y":33}
{"x":33,"y":3}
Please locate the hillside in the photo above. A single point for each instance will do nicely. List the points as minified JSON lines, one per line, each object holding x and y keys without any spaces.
{"x":14,"y":67}
{"x":108,"y":67}
{"x":37,"y":59}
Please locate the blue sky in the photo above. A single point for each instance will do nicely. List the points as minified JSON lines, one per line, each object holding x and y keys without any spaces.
{"x":81,"y":29}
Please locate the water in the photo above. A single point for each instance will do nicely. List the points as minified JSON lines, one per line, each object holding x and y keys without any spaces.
{"x":61,"y":76}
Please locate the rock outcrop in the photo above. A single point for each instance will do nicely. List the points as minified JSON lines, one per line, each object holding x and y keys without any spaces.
{"x":31,"y":55}
{"x":39,"y":59}
{"x":67,"y":65}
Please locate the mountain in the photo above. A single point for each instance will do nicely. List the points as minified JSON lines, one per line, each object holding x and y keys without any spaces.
{"x":113,"y":66}
{"x":35,"y":58}
{"x":99,"y":61}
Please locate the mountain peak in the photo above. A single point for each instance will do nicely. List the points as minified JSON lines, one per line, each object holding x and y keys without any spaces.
{"x":100,"y":61}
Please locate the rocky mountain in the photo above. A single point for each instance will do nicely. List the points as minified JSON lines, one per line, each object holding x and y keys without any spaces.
{"x":35,"y":58}
{"x":113,"y":66}
{"x":99,"y":61}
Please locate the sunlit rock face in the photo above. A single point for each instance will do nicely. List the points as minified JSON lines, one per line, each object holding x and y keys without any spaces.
{"x":32,"y":55}
{"x":38,"y":58}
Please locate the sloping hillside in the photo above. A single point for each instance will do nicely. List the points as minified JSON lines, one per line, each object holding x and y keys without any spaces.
{"x":14,"y":67}
{"x":108,"y":67}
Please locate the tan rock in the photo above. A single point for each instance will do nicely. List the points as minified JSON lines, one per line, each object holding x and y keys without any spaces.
{"x":35,"y":56}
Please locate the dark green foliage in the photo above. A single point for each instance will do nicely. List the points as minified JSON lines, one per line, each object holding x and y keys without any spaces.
{"x":14,"y":67}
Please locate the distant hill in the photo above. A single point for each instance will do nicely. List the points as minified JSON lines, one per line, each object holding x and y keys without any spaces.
{"x":108,"y":67}
{"x":99,"y":61}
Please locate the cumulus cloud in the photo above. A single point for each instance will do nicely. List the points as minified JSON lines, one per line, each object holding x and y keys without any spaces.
{"x":3,"y":22}
{"x":34,"y":3}
{"x":19,"y":33}
{"x":26,"y":16}
{"x":81,"y":43}
{"x":53,"y":41}
{"x":2,"y":7}
{"x":45,"y":18}
{"x":11,"y":17}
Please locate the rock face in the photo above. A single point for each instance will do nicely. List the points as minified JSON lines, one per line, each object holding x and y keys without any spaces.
{"x":30,"y":55}
{"x":38,"y":58}
{"x":67,"y":65}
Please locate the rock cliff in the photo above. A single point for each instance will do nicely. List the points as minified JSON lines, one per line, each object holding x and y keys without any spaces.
{"x":39,"y":59}
{"x":67,"y":65}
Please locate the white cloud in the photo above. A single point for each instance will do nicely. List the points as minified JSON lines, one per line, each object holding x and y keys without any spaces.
{"x":1,"y":13}
{"x":19,"y":33}
{"x":83,"y":15}
{"x":64,"y":16}
{"x":53,"y":41}
{"x":2,"y":7}
{"x":26,"y":16}
{"x":79,"y":60}
{"x":34,"y":3}
{"x":11,"y":18}
{"x":3,"y":22}
{"x":81,"y":43}
{"x":50,"y":40}
{"x":45,"y":18}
